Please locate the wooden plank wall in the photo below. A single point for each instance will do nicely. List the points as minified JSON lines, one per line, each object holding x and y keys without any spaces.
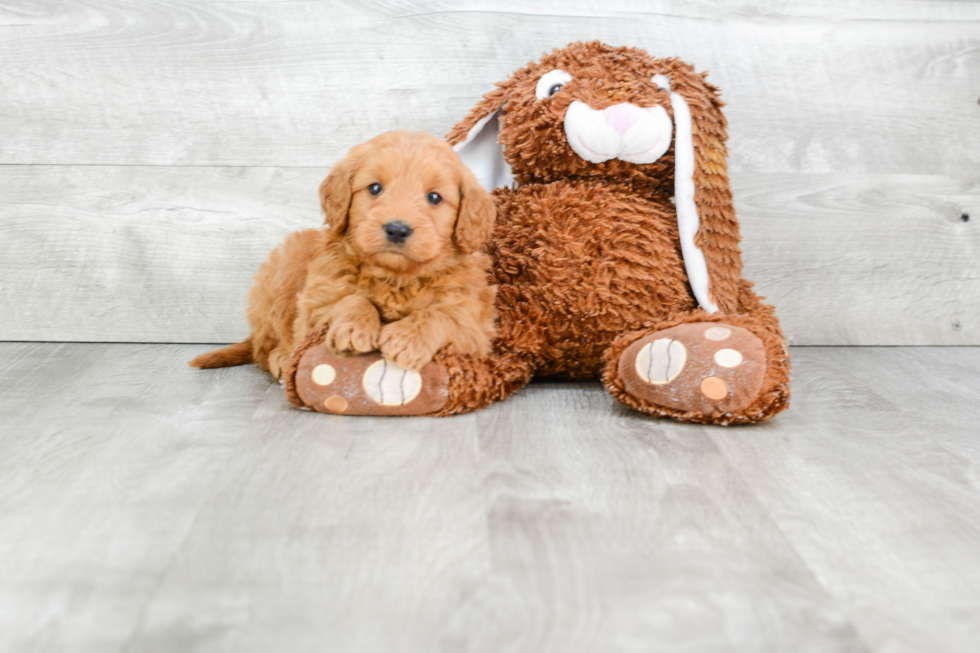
{"x":151,"y":153}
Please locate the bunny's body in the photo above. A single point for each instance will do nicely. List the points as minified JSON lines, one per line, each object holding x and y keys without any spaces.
{"x":583,"y":281}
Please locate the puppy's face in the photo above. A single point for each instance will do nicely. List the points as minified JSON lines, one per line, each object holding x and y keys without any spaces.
{"x":404,"y":201}
{"x":411,"y":202}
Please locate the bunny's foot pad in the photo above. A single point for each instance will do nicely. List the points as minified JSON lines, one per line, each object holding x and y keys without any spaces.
{"x":364,"y":384}
{"x":705,"y":367}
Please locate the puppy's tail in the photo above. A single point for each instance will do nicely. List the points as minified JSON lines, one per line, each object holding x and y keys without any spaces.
{"x":237,"y":354}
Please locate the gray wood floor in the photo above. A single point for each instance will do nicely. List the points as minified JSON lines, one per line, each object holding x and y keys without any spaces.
{"x":145,"y":506}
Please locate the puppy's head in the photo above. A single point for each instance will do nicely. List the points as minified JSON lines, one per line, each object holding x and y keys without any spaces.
{"x":404,"y":199}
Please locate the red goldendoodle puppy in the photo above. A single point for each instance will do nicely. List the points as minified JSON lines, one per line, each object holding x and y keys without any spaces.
{"x":397,"y":269}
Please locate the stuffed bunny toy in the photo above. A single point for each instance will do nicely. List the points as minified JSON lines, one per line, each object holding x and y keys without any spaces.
{"x":615,"y":250}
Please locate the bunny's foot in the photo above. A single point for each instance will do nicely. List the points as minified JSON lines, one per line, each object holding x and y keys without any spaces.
{"x":718,"y":372}
{"x":362,"y":384}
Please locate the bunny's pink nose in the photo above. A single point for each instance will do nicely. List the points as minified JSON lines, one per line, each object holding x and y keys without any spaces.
{"x":621,"y":116}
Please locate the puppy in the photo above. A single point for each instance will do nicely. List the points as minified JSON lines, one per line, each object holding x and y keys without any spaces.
{"x":398,"y":267}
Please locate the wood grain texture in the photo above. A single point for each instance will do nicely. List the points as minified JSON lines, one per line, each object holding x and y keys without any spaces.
{"x":147,"y":506}
{"x":133,"y":253}
{"x":156,"y":151}
{"x":611,"y":531}
{"x":330,"y":535}
{"x":106,"y":455}
{"x":882,"y":463}
{"x":865,"y":260}
{"x":141,"y":253}
{"x":832,"y":88}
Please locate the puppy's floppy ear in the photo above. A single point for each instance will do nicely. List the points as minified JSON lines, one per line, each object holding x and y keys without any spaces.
{"x":335,"y":192}
{"x":475,"y":140}
{"x":476,"y":215}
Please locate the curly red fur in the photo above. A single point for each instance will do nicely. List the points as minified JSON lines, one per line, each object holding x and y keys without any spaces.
{"x":365,"y":291}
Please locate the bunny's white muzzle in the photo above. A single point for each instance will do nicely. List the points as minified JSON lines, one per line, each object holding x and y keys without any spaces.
{"x":622,"y":131}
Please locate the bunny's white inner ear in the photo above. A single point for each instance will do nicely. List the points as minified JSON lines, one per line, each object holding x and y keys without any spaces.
{"x":484,"y":155}
{"x":688,"y":221}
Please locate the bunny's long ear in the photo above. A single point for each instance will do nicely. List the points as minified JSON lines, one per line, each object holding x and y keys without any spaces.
{"x":475,"y":141}
{"x":702,"y":194}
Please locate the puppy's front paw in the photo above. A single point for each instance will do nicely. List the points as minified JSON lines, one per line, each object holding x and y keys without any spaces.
{"x":347,"y":337}
{"x":407,"y":345}
{"x":278,"y":360}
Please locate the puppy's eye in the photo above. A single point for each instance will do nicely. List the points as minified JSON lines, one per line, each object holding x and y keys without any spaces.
{"x":434,"y":198}
{"x":375,"y":188}
{"x":551,"y":83}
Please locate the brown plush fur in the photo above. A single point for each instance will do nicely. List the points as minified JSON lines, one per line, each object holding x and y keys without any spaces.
{"x":587,"y":256}
{"x":367,"y":293}
{"x":536,"y":148}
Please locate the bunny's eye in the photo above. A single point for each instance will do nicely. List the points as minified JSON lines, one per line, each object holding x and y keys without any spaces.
{"x":551,"y":83}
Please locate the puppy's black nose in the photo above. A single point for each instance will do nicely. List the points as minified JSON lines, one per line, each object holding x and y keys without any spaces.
{"x":397,"y":231}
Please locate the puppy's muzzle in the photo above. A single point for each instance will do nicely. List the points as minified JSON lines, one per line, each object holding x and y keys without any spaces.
{"x":397,"y":232}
